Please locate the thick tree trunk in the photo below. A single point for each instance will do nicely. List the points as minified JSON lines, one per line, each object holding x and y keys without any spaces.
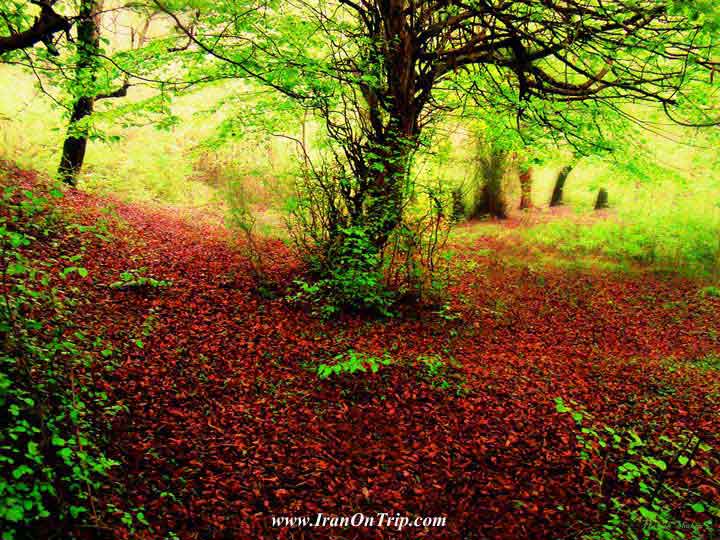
{"x":525,"y":188}
{"x":88,"y":43}
{"x":557,"y":195}
{"x":75,"y":145}
{"x":395,"y":140}
{"x":385,"y":198}
{"x":489,"y":196}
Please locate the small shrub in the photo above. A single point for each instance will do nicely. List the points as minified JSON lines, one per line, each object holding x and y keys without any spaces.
{"x":353,"y":264}
{"x":441,"y":373}
{"x":136,"y":279}
{"x":51,"y":463}
{"x":707,"y":363}
{"x":355,"y":281}
{"x":241,"y":219}
{"x":634,"y":487}
{"x":353,"y":362}
{"x":709,"y":292}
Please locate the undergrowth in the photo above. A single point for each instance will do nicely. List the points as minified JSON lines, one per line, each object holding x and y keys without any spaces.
{"x":634,"y":481}
{"x":51,"y":458}
{"x":683,"y":236}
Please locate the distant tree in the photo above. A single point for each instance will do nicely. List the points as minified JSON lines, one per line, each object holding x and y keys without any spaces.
{"x":602,"y":199}
{"x":525,"y":177}
{"x":491,"y":165}
{"x":556,"y":198}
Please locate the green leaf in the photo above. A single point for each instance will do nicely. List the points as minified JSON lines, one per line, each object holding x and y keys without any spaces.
{"x":698,"y":507}
{"x":16,"y":269}
{"x":20,"y":471}
{"x":14,"y":513}
{"x":75,"y":511}
{"x":648,"y":514}
{"x":560,"y":405}
{"x":58,"y":441}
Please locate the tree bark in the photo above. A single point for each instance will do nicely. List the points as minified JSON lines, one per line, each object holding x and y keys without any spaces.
{"x":557,"y":194}
{"x":602,"y":199}
{"x":525,"y":188}
{"x":489,"y":196}
{"x":45,"y":25}
{"x":88,"y":44}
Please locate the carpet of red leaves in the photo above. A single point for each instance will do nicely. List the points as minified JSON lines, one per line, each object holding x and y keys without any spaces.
{"x":226,"y":423}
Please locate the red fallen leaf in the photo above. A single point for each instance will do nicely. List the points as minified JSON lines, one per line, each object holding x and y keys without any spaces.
{"x":286,"y":444}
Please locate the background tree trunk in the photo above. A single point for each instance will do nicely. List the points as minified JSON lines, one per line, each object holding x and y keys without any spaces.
{"x":458,"y":205}
{"x":525,"y":188}
{"x":602,"y":199}
{"x":88,"y":45}
{"x":491,"y":167}
{"x":557,"y":195}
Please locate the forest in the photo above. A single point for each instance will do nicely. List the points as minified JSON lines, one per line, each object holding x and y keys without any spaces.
{"x":360,"y":269}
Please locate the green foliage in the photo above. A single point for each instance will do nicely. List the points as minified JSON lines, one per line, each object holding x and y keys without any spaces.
{"x":710,"y":362}
{"x":50,"y":458}
{"x":441,"y":373}
{"x":354,"y":281}
{"x":709,"y":292}
{"x":644,"y":503}
{"x":136,"y":279}
{"x":682,"y":235}
{"x":352,"y":362}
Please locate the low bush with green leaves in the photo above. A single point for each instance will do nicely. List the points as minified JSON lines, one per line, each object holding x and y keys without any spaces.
{"x":355,"y":280}
{"x":709,"y":292}
{"x":136,"y":279}
{"x":633,"y":485}
{"x":441,"y":373}
{"x":352,"y":362}
{"x":51,"y":460}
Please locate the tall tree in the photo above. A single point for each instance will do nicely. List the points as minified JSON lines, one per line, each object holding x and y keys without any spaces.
{"x":83,"y":90}
{"x":376,"y":71}
{"x":86,"y":90}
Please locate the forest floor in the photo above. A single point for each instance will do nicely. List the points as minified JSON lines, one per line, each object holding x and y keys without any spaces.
{"x":226,"y":424}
